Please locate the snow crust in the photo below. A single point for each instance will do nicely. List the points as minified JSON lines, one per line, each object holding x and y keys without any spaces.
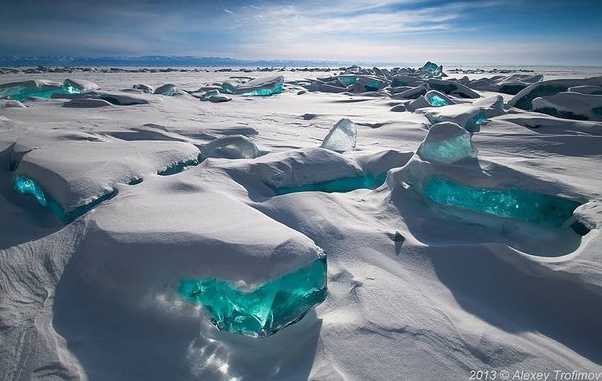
{"x":417,"y":288}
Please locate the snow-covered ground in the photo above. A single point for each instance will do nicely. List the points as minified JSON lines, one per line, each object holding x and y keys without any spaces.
{"x":145,"y":191}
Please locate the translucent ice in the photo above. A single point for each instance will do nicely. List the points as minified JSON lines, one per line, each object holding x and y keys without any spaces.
{"x":35,"y":88}
{"x":230,"y":147}
{"x":264,"y":310}
{"x":342,"y":137}
{"x":347,"y":80}
{"x":536,"y":208}
{"x":348,"y":184}
{"x":27,"y":186}
{"x":262,"y":86}
{"x":446,"y":142}
{"x":168,"y":89}
{"x":436,"y":99}
{"x":432,"y":69}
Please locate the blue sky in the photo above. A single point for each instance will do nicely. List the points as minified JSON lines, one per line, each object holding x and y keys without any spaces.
{"x":395,"y":31}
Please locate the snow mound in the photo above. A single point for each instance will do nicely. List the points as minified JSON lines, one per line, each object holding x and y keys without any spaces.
{"x":508,"y":84}
{"x":76,"y":174}
{"x":8,"y":103}
{"x":187,"y":246}
{"x":570,"y":105}
{"x":525,"y":97}
{"x":82,"y":85}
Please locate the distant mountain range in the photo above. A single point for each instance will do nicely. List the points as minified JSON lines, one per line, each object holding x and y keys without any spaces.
{"x":153,"y":61}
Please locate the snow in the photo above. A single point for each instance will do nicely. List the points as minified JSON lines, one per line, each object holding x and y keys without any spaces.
{"x":420,"y":285}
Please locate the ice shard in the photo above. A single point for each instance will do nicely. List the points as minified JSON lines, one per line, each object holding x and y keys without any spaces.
{"x":342,"y":137}
{"x":437,"y":99}
{"x":264,"y":310}
{"x":537,"y":208}
{"x":167,"y":89}
{"x":230,"y":147}
{"x":262,"y":86}
{"x":432,"y":69}
{"x":447,"y":142}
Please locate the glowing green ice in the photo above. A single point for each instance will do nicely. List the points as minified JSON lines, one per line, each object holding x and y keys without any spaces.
{"x":536,"y":208}
{"x":27,"y":186}
{"x":21,"y":92}
{"x":437,"y":101}
{"x":266,"y":91}
{"x":264,"y":310}
{"x":347,"y":80}
{"x":348,"y":184}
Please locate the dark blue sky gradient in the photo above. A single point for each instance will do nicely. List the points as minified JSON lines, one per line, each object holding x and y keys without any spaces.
{"x":492,"y":31}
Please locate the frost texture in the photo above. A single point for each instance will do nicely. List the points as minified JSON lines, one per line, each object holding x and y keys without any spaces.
{"x":536,"y":208}
{"x":342,"y":137}
{"x":264,"y":310}
{"x":447,"y":143}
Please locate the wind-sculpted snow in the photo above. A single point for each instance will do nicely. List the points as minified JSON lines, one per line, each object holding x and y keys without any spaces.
{"x":525,"y":97}
{"x":508,"y":84}
{"x":249,"y":283}
{"x":570,"y":105}
{"x":76,"y":175}
{"x":197,"y":230}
